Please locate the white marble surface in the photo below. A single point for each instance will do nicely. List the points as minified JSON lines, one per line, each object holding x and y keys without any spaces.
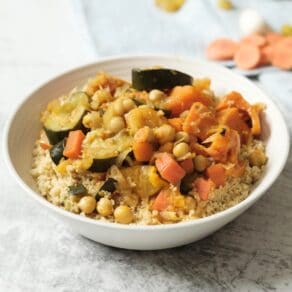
{"x":39,"y":39}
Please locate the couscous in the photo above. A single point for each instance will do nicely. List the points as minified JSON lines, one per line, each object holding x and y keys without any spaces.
{"x":163,"y":149}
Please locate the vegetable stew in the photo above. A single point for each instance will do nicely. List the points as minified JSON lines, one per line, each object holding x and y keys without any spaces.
{"x":161,"y":150}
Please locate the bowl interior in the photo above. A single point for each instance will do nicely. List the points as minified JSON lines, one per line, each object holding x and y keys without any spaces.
{"x":24,"y":125}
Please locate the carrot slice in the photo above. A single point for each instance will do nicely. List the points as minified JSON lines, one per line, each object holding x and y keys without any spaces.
{"x":143,"y":151}
{"x":247,"y":57}
{"x":273,"y":37}
{"x":182,"y":98}
{"x":199,"y":121}
{"x":221,"y":49}
{"x":161,"y":202}
{"x":235,"y":99}
{"x":203,"y":187}
{"x":188,"y":165}
{"x":266,"y":55}
{"x":176,"y":123}
{"x":282,"y":54}
{"x":232,"y":118}
{"x":225,"y":145}
{"x":169,"y":169}
{"x":217,"y":174}
{"x":255,"y":40}
{"x":287,"y":41}
{"x":234,"y":151}
{"x":73,"y":145}
{"x":254,"y":113}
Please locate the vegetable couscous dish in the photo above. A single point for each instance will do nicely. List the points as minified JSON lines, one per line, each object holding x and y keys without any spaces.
{"x":162,"y":149}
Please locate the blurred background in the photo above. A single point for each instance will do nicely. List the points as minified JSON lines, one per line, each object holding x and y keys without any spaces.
{"x":128,"y":26}
{"x":42,"y":38}
{"x":56,"y":35}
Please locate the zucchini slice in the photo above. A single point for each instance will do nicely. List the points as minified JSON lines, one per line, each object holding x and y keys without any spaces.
{"x":186,"y":184}
{"x":125,"y":157}
{"x":162,"y":79}
{"x":102,"y":164}
{"x":104,"y":152}
{"x":109,"y":185}
{"x":76,"y":190}
{"x":64,"y":116}
{"x":56,"y":152}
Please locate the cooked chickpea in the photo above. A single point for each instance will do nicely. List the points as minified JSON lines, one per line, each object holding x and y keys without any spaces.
{"x":118,"y":107}
{"x":94,"y":105}
{"x":128,"y":104}
{"x":87,"y":204}
{"x":182,"y":136}
{"x":257,"y":157}
{"x":180,"y":149}
{"x":156,"y":94}
{"x":164,"y":134}
{"x":105,"y":207}
{"x":123,"y":214}
{"x":116,"y":124}
{"x":201,"y":163}
{"x":86,"y":120}
{"x":101,"y":96}
{"x":92,"y":120}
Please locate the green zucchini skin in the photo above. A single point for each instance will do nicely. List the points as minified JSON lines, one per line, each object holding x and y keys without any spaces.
{"x":55,"y":136}
{"x":76,"y":190}
{"x":162,"y":79}
{"x":102,"y":164}
{"x":55,"y":130}
{"x":56,"y":152}
{"x":110,"y":185}
{"x":186,"y":184}
{"x":129,"y":156}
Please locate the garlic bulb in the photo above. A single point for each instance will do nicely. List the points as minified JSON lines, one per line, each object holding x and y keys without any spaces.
{"x":250,"y":21}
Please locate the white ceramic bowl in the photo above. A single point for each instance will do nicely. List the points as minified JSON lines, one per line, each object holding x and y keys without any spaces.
{"x":24,"y":125}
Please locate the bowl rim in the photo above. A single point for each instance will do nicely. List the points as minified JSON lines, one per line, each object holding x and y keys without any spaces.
{"x":243,"y":205}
